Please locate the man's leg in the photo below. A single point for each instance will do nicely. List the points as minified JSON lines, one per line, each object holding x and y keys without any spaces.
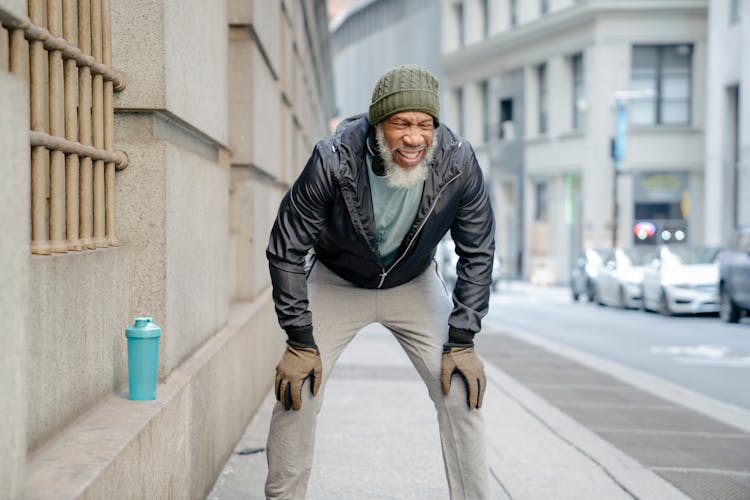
{"x":339,"y":311}
{"x":417,"y":314}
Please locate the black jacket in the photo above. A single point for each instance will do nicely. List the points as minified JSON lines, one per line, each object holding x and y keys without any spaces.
{"x":329,"y":207}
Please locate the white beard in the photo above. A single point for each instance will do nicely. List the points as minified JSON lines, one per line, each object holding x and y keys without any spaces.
{"x":395,"y":175}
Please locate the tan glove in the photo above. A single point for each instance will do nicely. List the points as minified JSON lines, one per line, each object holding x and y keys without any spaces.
{"x":296,"y":365}
{"x":465,"y":361}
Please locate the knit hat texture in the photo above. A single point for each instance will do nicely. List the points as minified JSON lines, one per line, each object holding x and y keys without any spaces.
{"x":405,"y":88}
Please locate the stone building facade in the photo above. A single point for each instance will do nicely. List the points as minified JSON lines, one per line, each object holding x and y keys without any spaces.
{"x":535,"y":86}
{"x":727,"y":119}
{"x":146,"y":146}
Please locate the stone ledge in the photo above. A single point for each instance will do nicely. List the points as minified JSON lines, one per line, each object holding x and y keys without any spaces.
{"x":175,"y":445}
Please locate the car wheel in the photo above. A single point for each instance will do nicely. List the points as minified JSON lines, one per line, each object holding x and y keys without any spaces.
{"x":729,"y":312}
{"x":644,"y":307}
{"x":591,"y":292}
{"x":598,"y":297}
{"x":664,"y":305}
{"x":623,"y":301}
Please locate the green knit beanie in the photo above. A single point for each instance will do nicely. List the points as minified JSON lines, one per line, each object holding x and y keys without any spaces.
{"x":405,"y":88}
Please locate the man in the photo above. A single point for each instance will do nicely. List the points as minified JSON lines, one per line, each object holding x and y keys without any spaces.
{"x":373,"y":202}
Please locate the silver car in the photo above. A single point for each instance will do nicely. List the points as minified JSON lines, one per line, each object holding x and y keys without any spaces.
{"x":584,"y":270}
{"x":734,"y":286}
{"x":683,"y":279}
{"x":618,"y":282}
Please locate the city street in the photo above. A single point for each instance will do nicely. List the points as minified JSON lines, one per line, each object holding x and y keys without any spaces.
{"x":700,"y":353}
{"x":669,"y":392}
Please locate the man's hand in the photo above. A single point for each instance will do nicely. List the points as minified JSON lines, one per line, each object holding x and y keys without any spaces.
{"x":466,"y":362}
{"x":296,"y":365}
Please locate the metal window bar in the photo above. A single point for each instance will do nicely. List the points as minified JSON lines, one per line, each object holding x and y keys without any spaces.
{"x":71,"y":85}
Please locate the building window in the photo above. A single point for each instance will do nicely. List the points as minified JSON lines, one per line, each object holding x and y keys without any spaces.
{"x":485,"y":18}
{"x":734,"y":11}
{"x":485,"y":95}
{"x":513,"y":6}
{"x":458,"y":13}
{"x":663,"y":73}
{"x":576,"y":66}
{"x":544,"y":6}
{"x":506,"y":119}
{"x":541,"y":208}
{"x":541,"y":74}
{"x":459,"y":93}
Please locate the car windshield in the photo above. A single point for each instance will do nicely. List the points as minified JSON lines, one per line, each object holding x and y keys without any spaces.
{"x":687,"y":255}
{"x":640,"y":256}
{"x":599,"y":255}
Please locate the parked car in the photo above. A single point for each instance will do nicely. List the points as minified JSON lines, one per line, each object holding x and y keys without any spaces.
{"x":618,"y":282}
{"x":734,"y":277}
{"x":682,"y":279}
{"x":584,"y":271}
{"x":447,"y":259}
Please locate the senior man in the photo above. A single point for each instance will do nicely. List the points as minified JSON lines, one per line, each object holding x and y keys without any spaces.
{"x":373,"y":201}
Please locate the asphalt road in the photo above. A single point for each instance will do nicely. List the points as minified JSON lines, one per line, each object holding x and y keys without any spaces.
{"x":700,"y":353}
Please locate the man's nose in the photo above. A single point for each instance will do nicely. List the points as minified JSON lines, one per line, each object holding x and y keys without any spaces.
{"x":413,"y":137}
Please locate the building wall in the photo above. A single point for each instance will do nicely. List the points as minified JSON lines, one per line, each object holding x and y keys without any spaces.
{"x":368,"y":41}
{"x":222,"y":105}
{"x":14,"y":280}
{"x":14,"y":273}
{"x":727,"y":178}
{"x":604,"y":34}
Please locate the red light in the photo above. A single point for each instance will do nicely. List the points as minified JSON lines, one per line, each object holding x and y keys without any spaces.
{"x":644,"y":229}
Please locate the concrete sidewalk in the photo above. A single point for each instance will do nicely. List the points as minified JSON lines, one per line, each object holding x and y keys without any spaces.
{"x":378,"y":439}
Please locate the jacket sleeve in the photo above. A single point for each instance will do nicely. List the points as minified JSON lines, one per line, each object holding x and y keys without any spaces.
{"x":473,"y":232}
{"x":301,"y":216}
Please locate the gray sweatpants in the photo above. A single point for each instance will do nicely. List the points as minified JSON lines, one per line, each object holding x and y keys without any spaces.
{"x":417,"y":315}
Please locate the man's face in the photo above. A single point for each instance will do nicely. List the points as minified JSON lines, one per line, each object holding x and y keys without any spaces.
{"x":409,"y":136}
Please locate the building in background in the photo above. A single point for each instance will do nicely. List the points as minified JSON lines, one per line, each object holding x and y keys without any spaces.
{"x":727,"y":119}
{"x":371,"y":37}
{"x":157,"y":156}
{"x":533,"y":86}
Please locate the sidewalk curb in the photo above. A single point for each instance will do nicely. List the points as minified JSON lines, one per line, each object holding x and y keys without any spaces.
{"x":723,"y":412}
{"x":632,"y":477}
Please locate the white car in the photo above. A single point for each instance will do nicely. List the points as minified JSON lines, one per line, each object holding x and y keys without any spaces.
{"x":683,"y":279}
{"x":618,"y":282}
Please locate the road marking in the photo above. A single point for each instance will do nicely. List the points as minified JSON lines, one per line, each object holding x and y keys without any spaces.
{"x":702,"y":354}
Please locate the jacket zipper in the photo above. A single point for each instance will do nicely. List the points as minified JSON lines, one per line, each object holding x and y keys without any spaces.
{"x":384,"y":274}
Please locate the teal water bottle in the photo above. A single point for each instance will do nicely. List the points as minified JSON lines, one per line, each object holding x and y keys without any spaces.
{"x":143,"y":358}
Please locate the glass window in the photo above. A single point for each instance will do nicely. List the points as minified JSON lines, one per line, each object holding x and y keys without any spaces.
{"x":459,"y":16}
{"x":541,"y":72}
{"x":541,"y":209}
{"x":506,"y":119}
{"x":485,"y":90}
{"x":460,"y":109}
{"x":664,"y":72}
{"x":578,"y":91}
{"x":734,"y":11}
{"x":485,"y":18}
